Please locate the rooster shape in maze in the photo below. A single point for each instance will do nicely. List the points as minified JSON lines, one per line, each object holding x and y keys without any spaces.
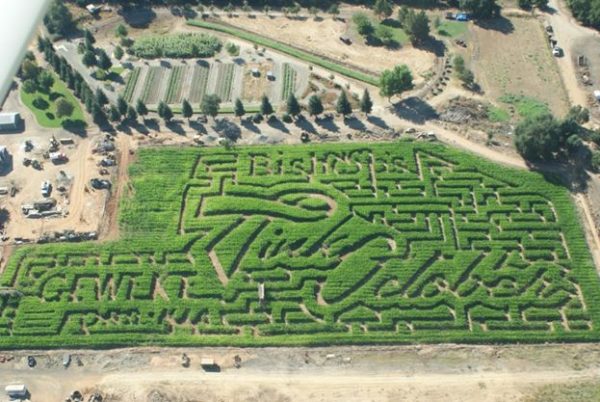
{"x":386,"y":240}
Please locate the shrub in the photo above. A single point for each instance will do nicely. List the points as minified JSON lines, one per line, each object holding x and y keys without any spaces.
{"x":182,"y":45}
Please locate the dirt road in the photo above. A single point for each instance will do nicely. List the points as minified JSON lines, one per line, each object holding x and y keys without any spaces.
{"x":569,"y":33}
{"x":402,"y":373}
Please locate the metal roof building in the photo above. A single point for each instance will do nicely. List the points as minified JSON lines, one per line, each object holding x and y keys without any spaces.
{"x":9,"y":121}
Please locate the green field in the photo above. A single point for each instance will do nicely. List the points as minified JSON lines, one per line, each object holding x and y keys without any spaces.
{"x":46,"y":117}
{"x":453,"y":29}
{"x":387,"y":243}
{"x":525,"y":106}
{"x":289,"y":50}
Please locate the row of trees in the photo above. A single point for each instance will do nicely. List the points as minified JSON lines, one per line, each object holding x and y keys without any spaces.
{"x":586,"y":11}
{"x":210,"y":106}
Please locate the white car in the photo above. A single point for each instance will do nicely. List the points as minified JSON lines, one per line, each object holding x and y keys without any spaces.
{"x":46,"y":188}
{"x":557,"y":51}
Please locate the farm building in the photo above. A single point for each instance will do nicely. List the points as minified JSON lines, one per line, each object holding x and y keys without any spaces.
{"x":9,"y":121}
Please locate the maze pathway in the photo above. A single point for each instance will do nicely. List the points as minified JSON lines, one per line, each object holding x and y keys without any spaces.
{"x":397,"y":242}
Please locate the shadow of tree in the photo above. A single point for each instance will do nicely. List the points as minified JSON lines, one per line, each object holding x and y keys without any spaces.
{"x":415,"y":110}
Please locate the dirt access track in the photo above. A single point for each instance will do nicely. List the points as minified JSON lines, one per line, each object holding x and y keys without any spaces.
{"x":399,"y":373}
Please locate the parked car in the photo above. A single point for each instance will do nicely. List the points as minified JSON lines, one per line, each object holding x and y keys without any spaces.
{"x":100,"y":184}
{"x":46,"y":188}
{"x":557,"y":51}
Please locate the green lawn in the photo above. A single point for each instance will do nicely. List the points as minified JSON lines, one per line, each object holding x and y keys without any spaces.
{"x":498,"y":114}
{"x":525,"y":106}
{"x":357,"y":243}
{"x":453,"y":28}
{"x":46,"y":117}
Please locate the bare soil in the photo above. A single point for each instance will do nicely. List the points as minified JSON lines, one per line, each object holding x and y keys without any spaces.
{"x":322,"y":37}
{"x":511,"y":56}
{"x":401,"y":373}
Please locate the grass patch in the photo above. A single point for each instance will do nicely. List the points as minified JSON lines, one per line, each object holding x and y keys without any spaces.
{"x":452,"y":29}
{"x":118,"y":70}
{"x":291,"y":51}
{"x":46,"y":116}
{"x":439,"y":246}
{"x":498,"y":114}
{"x":525,"y":106}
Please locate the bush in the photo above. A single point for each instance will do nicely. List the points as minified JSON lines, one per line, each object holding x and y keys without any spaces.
{"x":232,"y":49}
{"x":40,"y":103}
{"x":286,"y":118}
{"x":257,"y":118}
{"x":183,"y":45}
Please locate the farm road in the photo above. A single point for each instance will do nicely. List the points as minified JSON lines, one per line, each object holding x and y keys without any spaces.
{"x":369,"y":373}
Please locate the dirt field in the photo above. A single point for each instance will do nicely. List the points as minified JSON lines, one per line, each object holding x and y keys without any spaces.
{"x":322,"y":37}
{"x":505,"y":63}
{"x":404,"y":373}
{"x":82,"y":209}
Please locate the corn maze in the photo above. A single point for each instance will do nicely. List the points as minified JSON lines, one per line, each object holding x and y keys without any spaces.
{"x":345,"y":243}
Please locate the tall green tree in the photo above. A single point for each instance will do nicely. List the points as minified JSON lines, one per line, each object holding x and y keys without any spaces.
{"x":417,"y":27}
{"x":64,"y":108}
{"x":59,"y":19}
{"x":113,"y":114}
{"x":101,"y":97}
{"x":266,"y":109}
{"x":118,"y":53}
{"x":89,"y":58}
{"x":538,"y":137}
{"x":186,"y":109}
{"x":45,"y":81}
{"x":132,"y":115}
{"x":292,"y":106}
{"x":121,"y":31}
{"x":141,"y":108}
{"x":167,"y":114}
{"x":383,"y":8}
{"x":481,"y":9}
{"x":103,"y":60}
{"x":315,"y":106}
{"x":366,"y":104}
{"x":343,"y":106}
{"x":122,"y":105}
{"x":211,"y":105}
{"x":363,"y":24}
{"x":238,"y":109}
{"x":395,"y":81}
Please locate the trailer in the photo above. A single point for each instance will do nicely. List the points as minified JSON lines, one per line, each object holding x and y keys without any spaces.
{"x":16,"y":391}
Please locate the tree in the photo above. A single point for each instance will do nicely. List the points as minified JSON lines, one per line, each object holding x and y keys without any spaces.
{"x":538,"y":137}
{"x":363,"y":24}
{"x":186,"y":109}
{"x":211,"y":105}
{"x":395,"y":81}
{"x":385,"y":34}
{"x":266,"y":109}
{"x":122,"y":105}
{"x":334,"y":10}
{"x":315,"y":106}
{"x":29,"y":70}
{"x":238,"y":109}
{"x":161,"y":109}
{"x":382,"y":8}
{"x":292,"y":106}
{"x":343,"y":106}
{"x":131,"y":114}
{"x":45,"y":81}
{"x":167,"y":113}
{"x":366,"y":104}
{"x":417,"y":26}
{"x":101,"y":97}
{"x":88,"y":37}
{"x":403,"y":13}
{"x":578,"y":114}
{"x":64,"y":108}
{"x":121,"y":31}
{"x":29,"y":86}
{"x":98,"y":114}
{"x":113,"y":114}
{"x":59,"y":19}
{"x":481,"y":8}
{"x":118,"y":53}
{"x":103,"y":60}
{"x":141,"y":108}
{"x":89,"y":58}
